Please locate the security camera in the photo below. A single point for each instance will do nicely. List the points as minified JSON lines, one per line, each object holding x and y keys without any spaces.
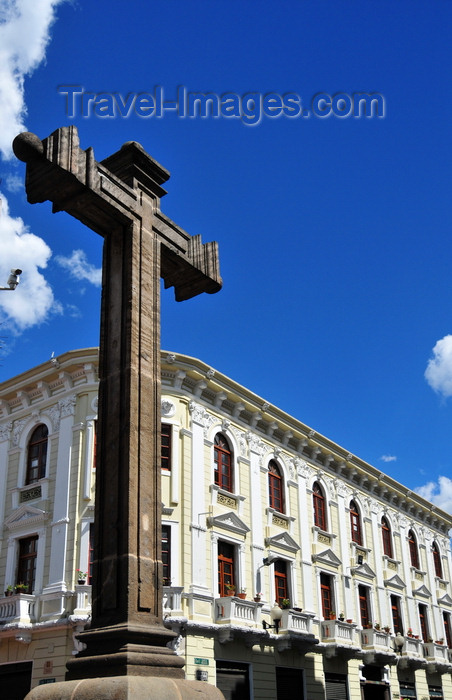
{"x":270,"y":559}
{"x":13,"y":279}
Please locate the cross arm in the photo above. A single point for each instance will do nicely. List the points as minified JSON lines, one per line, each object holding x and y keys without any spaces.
{"x":123,"y":188}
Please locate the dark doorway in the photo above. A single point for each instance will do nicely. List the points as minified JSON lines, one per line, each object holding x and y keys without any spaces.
{"x":15,"y":680}
{"x":233,"y":680}
{"x":289,"y":683}
{"x":376,"y":692}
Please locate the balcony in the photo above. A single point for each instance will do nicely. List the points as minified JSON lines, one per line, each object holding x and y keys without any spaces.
{"x":337,"y":632}
{"x":83,"y":600}
{"x":376,"y":639}
{"x":433,"y":651}
{"x":235,"y":611}
{"x":172,"y":600}
{"x":18,"y":609}
{"x":377,"y":645}
{"x":295,"y":621}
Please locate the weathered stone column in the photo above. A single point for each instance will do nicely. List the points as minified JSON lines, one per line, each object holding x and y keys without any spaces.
{"x":127,"y":654}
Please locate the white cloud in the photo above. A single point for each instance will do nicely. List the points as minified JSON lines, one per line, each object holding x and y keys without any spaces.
{"x":79,"y":267}
{"x":388,"y":458}
{"x":24,"y":35}
{"x":14,"y":183}
{"x":438,"y":492}
{"x":439,"y":368}
{"x":33,"y":300}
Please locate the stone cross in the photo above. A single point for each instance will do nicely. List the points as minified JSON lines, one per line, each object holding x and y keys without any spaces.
{"x":119,"y":198}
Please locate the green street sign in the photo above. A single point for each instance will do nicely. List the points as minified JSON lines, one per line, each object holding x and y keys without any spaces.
{"x":201,"y":662}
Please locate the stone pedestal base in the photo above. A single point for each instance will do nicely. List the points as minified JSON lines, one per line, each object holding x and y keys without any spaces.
{"x":126,"y":688}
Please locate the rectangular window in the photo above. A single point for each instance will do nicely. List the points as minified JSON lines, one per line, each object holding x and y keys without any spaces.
{"x":233,"y":680}
{"x":407,"y":691}
{"x":281,"y":588}
{"x":26,"y":569}
{"x":396,"y":617}
{"x":435,"y":691}
{"x":423,"y":622}
{"x":326,"y":593}
{"x":336,"y":686}
{"x":166,"y":554}
{"x":287,"y":679}
{"x":166,"y":446}
{"x":363,"y":593}
{"x":15,"y":680}
{"x":226,"y":579}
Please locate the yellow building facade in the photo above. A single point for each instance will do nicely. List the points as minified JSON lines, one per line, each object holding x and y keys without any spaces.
{"x":291,"y":567}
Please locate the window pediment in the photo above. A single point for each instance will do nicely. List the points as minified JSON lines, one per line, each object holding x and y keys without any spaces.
{"x":284,"y":541}
{"x":230,"y":521}
{"x":364,"y":570}
{"x":395,"y":582}
{"x":445,"y":600}
{"x":422,"y":591}
{"x":327,"y":557}
{"x":25,"y":515}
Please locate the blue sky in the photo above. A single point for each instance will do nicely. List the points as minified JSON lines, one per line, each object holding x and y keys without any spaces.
{"x":334,"y":232}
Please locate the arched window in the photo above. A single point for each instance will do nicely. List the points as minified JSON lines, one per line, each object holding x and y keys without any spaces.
{"x":223,"y":463}
{"x":37,"y":454}
{"x":275,"y":487}
{"x":319,"y":506}
{"x":414,"y":554}
{"x":437,"y":561}
{"x":355,"y":523}
{"x":386,"y":537}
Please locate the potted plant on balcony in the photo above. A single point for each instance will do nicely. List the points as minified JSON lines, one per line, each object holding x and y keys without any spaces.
{"x":332,"y":615}
{"x":387,"y":629}
{"x":341,"y":616}
{"x":242,"y":593}
{"x":285,"y":603}
{"x":230,"y":589}
{"x":81,"y":577}
{"x":377,"y":625}
{"x":21,"y":588}
{"x":409,"y":632}
{"x":257,"y":597}
{"x":9,"y":590}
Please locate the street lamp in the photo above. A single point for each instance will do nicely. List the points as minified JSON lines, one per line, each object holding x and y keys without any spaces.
{"x":399,"y":641}
{"x":13,"y":280}
{"x":276,"y":615}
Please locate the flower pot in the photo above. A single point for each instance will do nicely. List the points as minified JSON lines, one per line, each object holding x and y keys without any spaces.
{"x":349,"y":621}
{"x":257,"y":598}
{"x":242,"y":596}
{"x":82,"y":582}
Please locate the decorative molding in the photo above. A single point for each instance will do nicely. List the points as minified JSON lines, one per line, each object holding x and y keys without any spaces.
{"x":422,"y":591}
{"x":67,"y":406}
{"x":229,"y":521}
{"x":168,"y":407}
{"x":54,"y":413}
{"x":327,"y":557}
{"x":25,"y":515}
{"x":364,"y":570}
{"x":395,"y":582}
{"x":18,"y":427}
{"x":5,"y":431}
{"x":284,"y":541}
